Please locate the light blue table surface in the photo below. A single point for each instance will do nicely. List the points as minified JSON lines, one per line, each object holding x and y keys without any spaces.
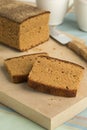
{"x":10,"y":120}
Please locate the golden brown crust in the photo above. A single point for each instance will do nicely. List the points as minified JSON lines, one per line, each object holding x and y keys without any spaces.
{"x":19,"y":78}
{"x":19,"y":12}
{"x":51,"y":89}
{"x":26,"y":55}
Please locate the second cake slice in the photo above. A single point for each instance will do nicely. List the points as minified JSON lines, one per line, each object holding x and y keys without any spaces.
{"x":55,"y":76}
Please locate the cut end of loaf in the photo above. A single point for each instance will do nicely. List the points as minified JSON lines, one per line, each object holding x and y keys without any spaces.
{"x":54,"y":76}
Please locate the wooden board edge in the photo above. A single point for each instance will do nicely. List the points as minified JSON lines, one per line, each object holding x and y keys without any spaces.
{"x":26,"y":111}
{"x":68,"y":113}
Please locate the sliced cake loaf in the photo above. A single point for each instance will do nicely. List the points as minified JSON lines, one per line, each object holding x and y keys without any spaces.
{"x":54,"y":76}
{"x":19,"y":67}
{"x":23,"y":26}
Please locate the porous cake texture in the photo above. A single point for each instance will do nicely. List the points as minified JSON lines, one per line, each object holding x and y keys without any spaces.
{"x":19,"y":67}
{"x":54,"y":76}
{"x":23,"y":26}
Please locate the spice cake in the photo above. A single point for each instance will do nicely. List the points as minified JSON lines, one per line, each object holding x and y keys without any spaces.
{"x":54,"y":76}
{"x":23,"y":26}
{"x":19,"y":67}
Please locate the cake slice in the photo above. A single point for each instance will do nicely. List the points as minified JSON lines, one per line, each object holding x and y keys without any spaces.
{"x":19,"y":67}
{"x":23,"y":26}
{"x":54,"y":76}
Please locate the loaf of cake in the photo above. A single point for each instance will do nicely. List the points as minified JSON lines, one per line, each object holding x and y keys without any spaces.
{"x":54,"y":76}
{"x":19,"y":67}
{"x":23,"y":26}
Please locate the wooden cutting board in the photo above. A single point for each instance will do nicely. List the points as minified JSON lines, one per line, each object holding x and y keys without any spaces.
{"x":46,"y":110}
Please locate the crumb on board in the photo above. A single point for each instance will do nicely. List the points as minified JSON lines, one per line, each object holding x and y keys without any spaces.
{"x":38,"y":49}
{"x":54,"y":48}
{"x":49,"y":104}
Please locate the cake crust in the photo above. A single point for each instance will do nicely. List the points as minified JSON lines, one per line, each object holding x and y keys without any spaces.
{"x":19,"y":12}
{"x":51,"y":90}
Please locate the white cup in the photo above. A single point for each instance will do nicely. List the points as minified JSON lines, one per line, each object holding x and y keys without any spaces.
{"x":57,"y":8}
{"x":81,"y":13}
